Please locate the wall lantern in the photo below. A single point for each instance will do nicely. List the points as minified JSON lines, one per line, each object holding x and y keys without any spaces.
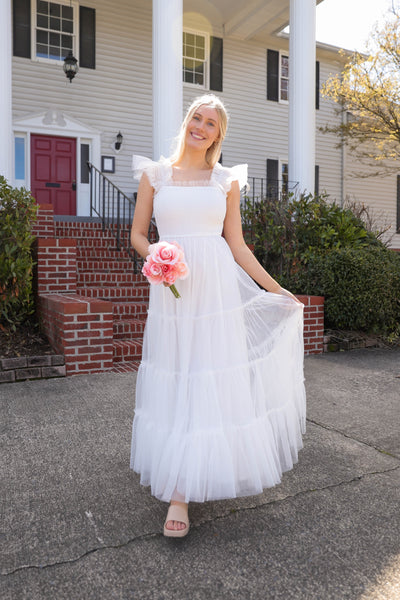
{"x":118,"y":142}
{"x":70,"y":66}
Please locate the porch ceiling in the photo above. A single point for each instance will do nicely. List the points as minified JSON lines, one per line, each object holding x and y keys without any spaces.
{"x":245,"y":19}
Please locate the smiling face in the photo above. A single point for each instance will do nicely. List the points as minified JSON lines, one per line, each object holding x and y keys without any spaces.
{"x":203,"y":128}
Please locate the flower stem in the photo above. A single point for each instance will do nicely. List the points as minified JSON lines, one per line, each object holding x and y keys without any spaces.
{"x":174,"y":291}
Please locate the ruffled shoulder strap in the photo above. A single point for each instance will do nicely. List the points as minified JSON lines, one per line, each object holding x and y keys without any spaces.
{"x":224,"y":176}
{"x":157,"y":172}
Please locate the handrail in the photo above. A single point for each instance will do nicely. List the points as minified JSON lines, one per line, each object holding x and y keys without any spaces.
{"x":269,"y":188}
{"x":115,"y":210}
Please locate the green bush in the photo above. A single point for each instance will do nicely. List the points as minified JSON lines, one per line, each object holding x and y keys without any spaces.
{"x":286,"y":231}
{"x":17,"y":214}
{"x":361,"y":287}
{"x":315,"y":247}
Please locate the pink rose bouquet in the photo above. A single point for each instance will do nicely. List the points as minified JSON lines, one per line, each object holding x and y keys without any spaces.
{"x":165,"y":264}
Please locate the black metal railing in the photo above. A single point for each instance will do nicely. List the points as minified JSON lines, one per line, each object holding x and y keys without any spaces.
{"x":260,"y":189}
{"x":115,"y":210}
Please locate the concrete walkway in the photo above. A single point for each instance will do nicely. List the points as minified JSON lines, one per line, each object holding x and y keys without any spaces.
{"x":77,"y":525}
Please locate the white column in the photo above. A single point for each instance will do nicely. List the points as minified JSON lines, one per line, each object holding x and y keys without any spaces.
{"x":302,"y":94}
{"x":6,"y":154}
{"x":167,"y":74}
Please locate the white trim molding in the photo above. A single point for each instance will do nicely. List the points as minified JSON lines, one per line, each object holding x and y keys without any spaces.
{"x":6,"y":153}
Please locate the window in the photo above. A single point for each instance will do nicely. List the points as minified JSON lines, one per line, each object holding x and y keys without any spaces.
{"x":19,"y":156}
{"x":51,"y":29}
{"x":284,"y":78}
{"x":202,"y":60}
{"x":278,"y":77}
{"x":55,"y":30}
{"x":285,"y":178}
{"x":194,"y":58}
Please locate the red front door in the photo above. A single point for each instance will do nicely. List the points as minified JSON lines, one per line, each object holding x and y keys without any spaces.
{"x":53,"y":172}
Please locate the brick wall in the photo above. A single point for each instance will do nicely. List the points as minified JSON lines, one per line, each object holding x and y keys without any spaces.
{"x":44,"y":226}
{"x":313,"y":324}
{"x":79,"y":328}
{"x":56,"y":265}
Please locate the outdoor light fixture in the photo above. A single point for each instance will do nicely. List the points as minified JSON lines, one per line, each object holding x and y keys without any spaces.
{"x":118,"y":143}
{"x":70,"y":66}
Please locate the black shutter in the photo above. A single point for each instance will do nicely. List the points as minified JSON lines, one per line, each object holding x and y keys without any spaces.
{"x":398,"y":205}
{"x":22,"y":28}
{"x":216,"y":63}
{"x":272,"y":177}
{"x":87,"y":37}
{"x":316,"y":181}
{"x":317,"y":85}
{"x":84,"y":163}
{"x":273,"y":75}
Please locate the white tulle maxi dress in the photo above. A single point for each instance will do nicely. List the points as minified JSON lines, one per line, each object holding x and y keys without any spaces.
{"x":220,"y":400}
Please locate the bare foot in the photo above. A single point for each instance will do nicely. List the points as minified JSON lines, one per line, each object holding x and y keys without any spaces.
{"x":177,"y":525}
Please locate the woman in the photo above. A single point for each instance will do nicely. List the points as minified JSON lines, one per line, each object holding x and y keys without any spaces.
{"x":220,"y":403}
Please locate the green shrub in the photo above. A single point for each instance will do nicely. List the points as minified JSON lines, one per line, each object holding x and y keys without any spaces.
{"x":312,"y":246}
{"x":17,"y":214}
{"x":286,"y":231}
{"x":361,"y":287}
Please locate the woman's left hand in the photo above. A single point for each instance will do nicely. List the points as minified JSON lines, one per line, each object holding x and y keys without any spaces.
{"x":284,"y":292}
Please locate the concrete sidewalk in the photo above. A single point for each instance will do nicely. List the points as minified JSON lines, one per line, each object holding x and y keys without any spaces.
{"x":77,"y":525}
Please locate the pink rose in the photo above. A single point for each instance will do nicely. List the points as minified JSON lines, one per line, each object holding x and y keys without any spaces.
{"x":163,"y":252}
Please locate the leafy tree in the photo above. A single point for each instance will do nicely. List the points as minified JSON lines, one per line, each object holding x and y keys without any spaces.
{"x":368,"y":93}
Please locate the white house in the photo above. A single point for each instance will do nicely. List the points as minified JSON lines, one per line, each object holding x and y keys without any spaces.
{"x":140,"y":64}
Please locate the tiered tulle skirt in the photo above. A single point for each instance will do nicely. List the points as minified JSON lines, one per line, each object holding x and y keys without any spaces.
{"x":220,"y":401}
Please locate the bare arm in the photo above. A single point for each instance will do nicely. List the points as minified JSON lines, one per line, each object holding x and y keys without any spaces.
{"x":142,"y":217}
{"x":241,"y":253}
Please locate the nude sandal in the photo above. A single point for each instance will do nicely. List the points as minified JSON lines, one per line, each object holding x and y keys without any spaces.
{"x":176,"y":513}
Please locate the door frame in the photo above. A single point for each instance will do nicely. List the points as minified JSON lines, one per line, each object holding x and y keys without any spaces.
{"x":56,"y":123}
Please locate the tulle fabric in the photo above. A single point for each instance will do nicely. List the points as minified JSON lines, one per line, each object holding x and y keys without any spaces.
{"x":220,"y":401}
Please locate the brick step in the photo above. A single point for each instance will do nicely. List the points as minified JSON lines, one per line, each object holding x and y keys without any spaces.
{"x":123,"y":265}
{"x":99,"y":243}
{"x":127,"y":350}
{"x":129,"y":310}
{"x":85,"y":230}
{"x":128,"y":328}
{"x":120,"y":293}
{"x":125,"y":279}
{"x":103,"y":254}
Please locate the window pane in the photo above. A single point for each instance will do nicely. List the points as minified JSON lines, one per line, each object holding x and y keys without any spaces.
{"x":43,"y":7}
{"x":42,"y":51}
{"x":188,"y":64}
{"x":198,"y":78}
{"x":67,"y":42}
{"x":199,"y":67}
{"x":67,"y":26}
{"x":55,"y":39}
{"x":55,"y":52}
{"x":188,"y":76}
{"x":200,"y":41}
{"x":190,"y":39}
{"x":19,"y":158}
{"x":189,"y":51}
{"x":55,"y":9}
{"x":42,"y":37}
{"x":68,"y":12}
{"x":55,"y":23}
{"x":43,"y":21}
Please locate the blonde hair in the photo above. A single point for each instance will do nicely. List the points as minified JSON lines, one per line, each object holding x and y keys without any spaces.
{"x":214,"y":151}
